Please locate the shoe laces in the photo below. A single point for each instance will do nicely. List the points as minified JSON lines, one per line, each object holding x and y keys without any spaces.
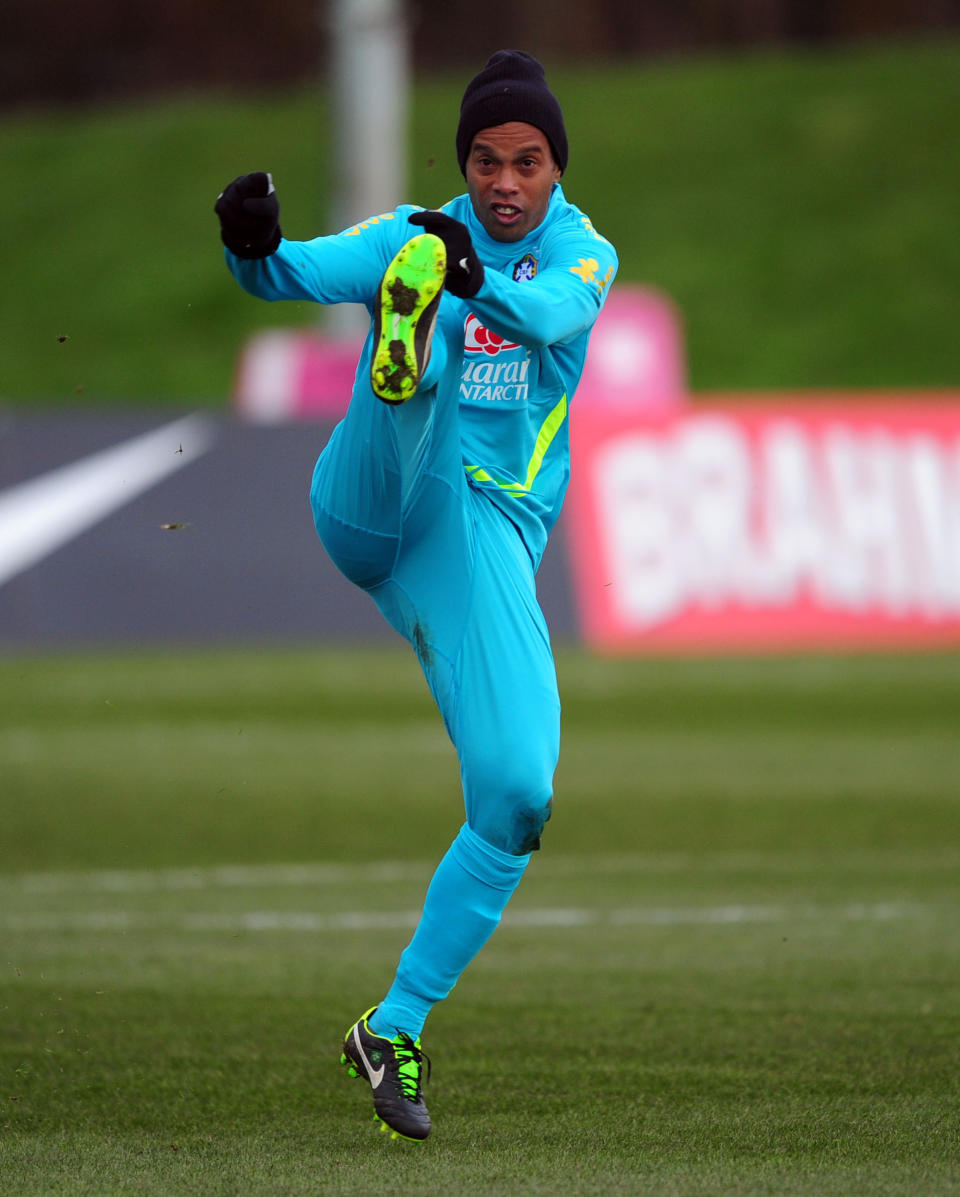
{"x":410,"y":1058}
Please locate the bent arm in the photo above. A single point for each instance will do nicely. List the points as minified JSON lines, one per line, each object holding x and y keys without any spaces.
{"x":559,"y":304}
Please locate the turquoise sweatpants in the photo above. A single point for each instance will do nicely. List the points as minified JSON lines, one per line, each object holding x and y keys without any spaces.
{"x":449,"y":571}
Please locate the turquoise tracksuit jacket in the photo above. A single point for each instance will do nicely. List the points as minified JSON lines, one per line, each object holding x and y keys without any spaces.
{"x":525,"y":337}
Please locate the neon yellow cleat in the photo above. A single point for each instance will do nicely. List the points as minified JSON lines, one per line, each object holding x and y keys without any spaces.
{"x":404,"y":317}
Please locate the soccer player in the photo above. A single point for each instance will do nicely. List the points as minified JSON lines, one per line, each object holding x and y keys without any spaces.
{"x":437,"y":491}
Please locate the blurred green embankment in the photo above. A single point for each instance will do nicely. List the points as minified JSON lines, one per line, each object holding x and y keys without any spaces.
{"x":799,"y":208}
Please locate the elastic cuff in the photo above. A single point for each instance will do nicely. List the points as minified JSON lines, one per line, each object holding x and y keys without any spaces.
{"x":489,"y":864}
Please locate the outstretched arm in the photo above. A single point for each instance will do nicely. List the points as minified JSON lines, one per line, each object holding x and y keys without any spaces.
{"x":344,"y":268}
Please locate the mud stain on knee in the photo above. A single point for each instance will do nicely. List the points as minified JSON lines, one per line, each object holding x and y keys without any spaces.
{"x":528,"y":827}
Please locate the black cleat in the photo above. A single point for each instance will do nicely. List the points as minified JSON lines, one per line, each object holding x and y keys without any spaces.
{"x":394,"y":1068}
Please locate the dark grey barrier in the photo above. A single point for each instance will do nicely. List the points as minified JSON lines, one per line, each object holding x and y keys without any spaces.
{"x":130,"y":527}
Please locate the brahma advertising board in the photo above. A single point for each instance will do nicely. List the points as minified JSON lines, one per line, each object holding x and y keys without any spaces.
{"x":774,"y":525}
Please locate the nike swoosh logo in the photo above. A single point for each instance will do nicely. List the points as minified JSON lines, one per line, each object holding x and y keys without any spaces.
{"x":375,"y":1075}
{"x":41,"y":515}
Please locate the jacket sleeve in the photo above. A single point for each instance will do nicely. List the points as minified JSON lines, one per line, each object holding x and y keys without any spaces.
{"x":560,"y":303}
{"x":343,"y":268}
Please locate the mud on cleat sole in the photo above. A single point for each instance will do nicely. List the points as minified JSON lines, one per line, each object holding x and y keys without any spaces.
{"x":404,"y":315}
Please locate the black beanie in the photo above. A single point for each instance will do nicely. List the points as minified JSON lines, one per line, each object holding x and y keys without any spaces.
{"x":511,"y":87}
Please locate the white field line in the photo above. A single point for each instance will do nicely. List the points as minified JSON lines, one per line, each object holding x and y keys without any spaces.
{"x":279,"y":876}
{"x":319,"y":874}
{"x":560,"y":917}
{"x":68,"y":888}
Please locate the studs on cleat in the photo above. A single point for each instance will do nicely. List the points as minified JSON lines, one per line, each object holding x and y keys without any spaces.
{"x":393,"y":1135}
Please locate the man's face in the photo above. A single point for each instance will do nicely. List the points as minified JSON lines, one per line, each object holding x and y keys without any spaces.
{"x":510,"y":175}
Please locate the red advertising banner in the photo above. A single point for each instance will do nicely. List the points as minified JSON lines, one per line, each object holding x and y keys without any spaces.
{"x":773,"y":525}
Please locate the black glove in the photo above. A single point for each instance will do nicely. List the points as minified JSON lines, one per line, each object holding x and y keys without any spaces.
{"x":249,"y":216}
{"x":464,"y":268}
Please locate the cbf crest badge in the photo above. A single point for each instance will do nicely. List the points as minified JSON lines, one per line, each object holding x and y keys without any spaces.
{"x":525,"y":269}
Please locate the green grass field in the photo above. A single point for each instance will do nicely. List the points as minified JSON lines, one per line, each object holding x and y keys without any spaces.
{"x":734,"y":968}
{"x":800,"y":208}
